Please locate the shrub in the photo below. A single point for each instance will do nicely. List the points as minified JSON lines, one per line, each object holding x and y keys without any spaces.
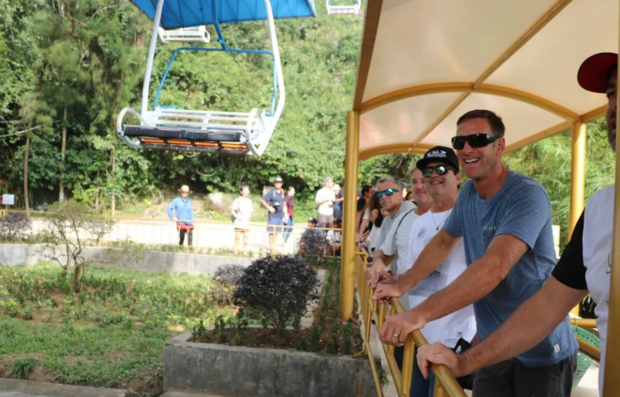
{"x":229,"y":274}
{"x":14,"y":226}
{"x":226,"y":279}
{"x":313,"y":243}
{"x":278,"y":288}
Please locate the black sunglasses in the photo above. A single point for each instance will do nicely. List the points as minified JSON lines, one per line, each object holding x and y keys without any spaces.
{"x":388,"y":192}
{"x":474,"y":140}
{"x":439,"y":169}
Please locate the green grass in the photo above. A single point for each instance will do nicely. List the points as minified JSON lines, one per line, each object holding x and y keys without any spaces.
{"x":111,"y":335}
{"x":21,"y":367}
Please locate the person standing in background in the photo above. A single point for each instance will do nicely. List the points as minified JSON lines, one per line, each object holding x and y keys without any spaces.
{"x":290,"y":207}
{"x":181,"y":208}
{"x":339,"y":193}
{"x":324,"y":200}
{"x":273,"y":200}
{"x":362,"y":199}
{"x":241,"y":210}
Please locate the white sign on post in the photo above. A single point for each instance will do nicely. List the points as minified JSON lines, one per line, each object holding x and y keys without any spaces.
{"x":8,"y":199}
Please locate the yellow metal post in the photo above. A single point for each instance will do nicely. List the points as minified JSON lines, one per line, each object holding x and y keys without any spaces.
{"x":578,"y":174}
{"x":347,"y":268}
{"x":577,"y":180}
{"x":611,"y":386}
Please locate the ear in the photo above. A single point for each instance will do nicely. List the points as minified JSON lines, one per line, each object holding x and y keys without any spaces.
{"x":458,"y":179}
{"x":501,"y":146}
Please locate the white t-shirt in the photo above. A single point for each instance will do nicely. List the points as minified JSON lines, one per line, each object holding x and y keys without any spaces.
{"x":397,"y":243}
{"x":373,"y":237}
{"x":323,"y":195}
{"x":333,"y":237}
{"x":598,"y":232}
{"x":244,"y":208}
{"x":460,"y":324}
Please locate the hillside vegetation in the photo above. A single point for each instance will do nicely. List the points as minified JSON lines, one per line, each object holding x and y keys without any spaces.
{"x":68,"y":67}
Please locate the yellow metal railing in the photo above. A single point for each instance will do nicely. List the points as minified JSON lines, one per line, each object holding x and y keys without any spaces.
{"x":583,"y":322}
{"x":445,"y":384}
{"x":589,"y":350}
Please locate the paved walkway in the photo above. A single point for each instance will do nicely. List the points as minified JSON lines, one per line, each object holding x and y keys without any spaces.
{"x":27,"y":388}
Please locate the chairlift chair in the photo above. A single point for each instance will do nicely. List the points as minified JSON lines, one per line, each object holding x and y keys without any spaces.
{"x":169,"y":128}
{"x":194,"y":34}
{"x":343,"y":9}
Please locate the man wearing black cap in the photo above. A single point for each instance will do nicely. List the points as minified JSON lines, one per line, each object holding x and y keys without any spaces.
{"x":440,"y":169}
{"x":274,"y":201}
{"x":504,"y":219}
{"x":584,"y":266}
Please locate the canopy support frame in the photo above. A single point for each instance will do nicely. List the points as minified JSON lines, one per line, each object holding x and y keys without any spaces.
{"x":347,"y":268}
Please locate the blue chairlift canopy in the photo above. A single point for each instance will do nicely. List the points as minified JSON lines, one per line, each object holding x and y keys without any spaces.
{"x":187,"y":13}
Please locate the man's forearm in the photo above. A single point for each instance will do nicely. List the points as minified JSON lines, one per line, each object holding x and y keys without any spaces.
{"x":475,"y":283}
{"x":480,"y":278}
{"x":527,"y":327}
{"x":380,"y":255}
{"x":264,"y":203}
{"x":430,"y":259}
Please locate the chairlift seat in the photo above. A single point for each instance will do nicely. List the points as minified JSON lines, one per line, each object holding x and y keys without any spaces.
{"x":196,"y":34}
{"x":196,"y":130}
{"x":343,"y":9}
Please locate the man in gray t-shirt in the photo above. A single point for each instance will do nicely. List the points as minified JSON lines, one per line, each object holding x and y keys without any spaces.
{"x":505,"y":221}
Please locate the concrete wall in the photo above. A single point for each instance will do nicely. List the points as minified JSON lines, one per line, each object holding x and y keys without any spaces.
{"x":248,"y":372}
{"x":171,"y":262}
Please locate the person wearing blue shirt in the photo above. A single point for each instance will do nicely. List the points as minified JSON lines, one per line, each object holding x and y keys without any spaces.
{"x":181,"y":208}
{"x":504,"y":219}
{"x":585,"y":266}
{"x":274,"y":201}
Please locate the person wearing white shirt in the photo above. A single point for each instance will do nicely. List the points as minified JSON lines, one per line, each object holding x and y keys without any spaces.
{"x":324,"y":200}
{"x":442,"y":180}
{"x":241,"y":210}
{"x":393,"y":242}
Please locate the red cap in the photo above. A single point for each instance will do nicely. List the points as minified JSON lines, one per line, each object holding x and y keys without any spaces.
{"x":594,"y":71}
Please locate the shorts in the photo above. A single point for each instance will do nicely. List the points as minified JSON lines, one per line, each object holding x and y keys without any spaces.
{"x":513,"y":379}
{"x":273,"y":222}
{"x":242,"y":227}
{"x":325,"y":221}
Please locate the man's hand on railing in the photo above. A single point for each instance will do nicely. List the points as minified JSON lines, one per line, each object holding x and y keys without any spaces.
{"x":396,"y":329}
{"x":386,"y":289}
{"x":376,"y":272}
{"x":438,"y":353}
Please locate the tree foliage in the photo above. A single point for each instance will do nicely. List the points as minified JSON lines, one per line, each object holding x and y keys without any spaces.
{"x":69,"y":229}
{"x":87,"y":57}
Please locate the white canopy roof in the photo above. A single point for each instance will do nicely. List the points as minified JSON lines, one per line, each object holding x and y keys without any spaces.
{"x":426,"y":62}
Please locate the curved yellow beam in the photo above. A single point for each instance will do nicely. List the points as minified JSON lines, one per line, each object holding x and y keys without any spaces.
{"x":394,"y":148}
{"x":489,"y":89}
